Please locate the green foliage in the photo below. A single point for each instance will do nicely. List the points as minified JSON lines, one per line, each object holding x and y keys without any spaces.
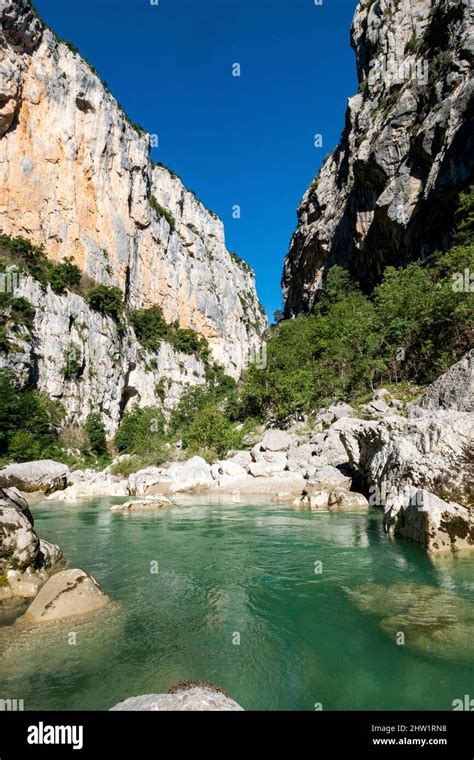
{"x":72,"y":368}
{"x":108,"y":300}
{"x":211,"y":431}
{"x":162,"y":211}
{"x":142,"y":431}
{"x":28,"y":423}
{"x":151,"y":329}
{"x":95,"y":429}
{"x":417,"y":323}
{"x":188,"y":341}
{"x":413,"y":44}
{"x":32,"y":260}
{"x":64,"y":276}
{"x":15,"y":313}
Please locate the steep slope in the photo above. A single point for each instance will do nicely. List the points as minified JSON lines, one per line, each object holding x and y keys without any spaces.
{"x":387,"y":193}
{"x":76,"y":177}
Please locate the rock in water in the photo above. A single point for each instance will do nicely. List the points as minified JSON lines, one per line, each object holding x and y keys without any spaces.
{"x":186,"y":698}
{"x":19,"y":543}
{"x":69,"y":593}
{"x":435,"y":524}
{"x":147,"y":504}
{"x":437,"y":623}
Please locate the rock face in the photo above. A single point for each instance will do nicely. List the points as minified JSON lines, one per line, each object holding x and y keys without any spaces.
{"x":114,"y":371}
{"x":77,"y":178}
{"x":66,"y":594}
{"x":434,"y":452}
{"x":194,"y":698}
{"x":453,"y":390}
{"x":387,"y":193}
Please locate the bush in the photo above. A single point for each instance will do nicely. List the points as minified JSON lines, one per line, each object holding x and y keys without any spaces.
{"x":108,"y":300}
{"x":64,"y":276}
{"x":28,"y":423}
{"x":142,"y":432}
{"x":211,"y":431}
{"x":73,"y":366}
{"x":14,"y":313}
{"x":95,"y":431}
{"x":150,"y":327}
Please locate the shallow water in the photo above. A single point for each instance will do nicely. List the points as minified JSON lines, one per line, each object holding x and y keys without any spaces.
{"x":238,"y":571}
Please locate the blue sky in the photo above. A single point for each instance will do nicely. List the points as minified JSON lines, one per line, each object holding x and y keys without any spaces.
{"x":245,"y":141}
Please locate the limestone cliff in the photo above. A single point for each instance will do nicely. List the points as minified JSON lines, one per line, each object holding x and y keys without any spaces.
{"x":76,"y":177}
{"x":387,"y":193}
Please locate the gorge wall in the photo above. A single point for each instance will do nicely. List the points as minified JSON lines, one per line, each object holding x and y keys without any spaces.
{"x":77,"y":179}
{"x":388,"y":192}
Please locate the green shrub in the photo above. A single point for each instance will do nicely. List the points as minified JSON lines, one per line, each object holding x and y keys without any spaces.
{"x":188,"y":341}
{"x":142,"y":432}
{"x":151,"y":329}
{"x":14,"y":313}
{"x":28,"y":423}
{"x":108,"y":300}
{"x":73,"y":367}
{"x":94,"y":427}
{"x":162,"y":211}
{"x":210,"y":430}
{"x":150,"y":326}
{"x":64,"y":275}
{"x":413,"y":44}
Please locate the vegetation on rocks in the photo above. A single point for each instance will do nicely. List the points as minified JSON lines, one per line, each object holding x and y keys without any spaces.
{"x":108,"y":300}
{"x":28,"y":423}
{"x":162,"y":211}
{"x":151,"y":329}
{"x":21,"y":256}
{"x":417,"y":322}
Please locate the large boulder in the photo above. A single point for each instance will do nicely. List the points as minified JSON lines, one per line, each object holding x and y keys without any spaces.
{"x":42,"y":475}
{"x":437,"y":525}
{"x":434,"y":452}
{"x":284,"y":486}
{"x":227,"y":468}
{"x":25,"y":560}
{"x":193,"y":475}
{"x":276,"y":440}
{"x":453,"y":390}
{"x":85,"y":484}
{"x":185,"y":697}
{"x":268,"y":463}
{"x":148,"y":481}
{"x":69,"y":593}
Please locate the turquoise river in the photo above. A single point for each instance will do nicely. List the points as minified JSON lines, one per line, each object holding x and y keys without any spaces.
{"x":283,"y":608}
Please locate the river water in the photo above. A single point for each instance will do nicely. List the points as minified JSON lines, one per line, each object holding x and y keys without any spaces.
{"x":284,"y":609}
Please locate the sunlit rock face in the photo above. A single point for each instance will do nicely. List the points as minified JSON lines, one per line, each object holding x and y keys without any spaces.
{"x":387,"y":194}
{"x":76,"y":178}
